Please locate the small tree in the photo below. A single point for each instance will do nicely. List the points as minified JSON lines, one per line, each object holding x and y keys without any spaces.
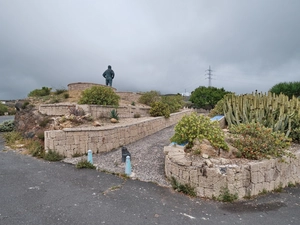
{"x":287,"y":88}
{"x":207,"y":97}
{"x":99,"y":95}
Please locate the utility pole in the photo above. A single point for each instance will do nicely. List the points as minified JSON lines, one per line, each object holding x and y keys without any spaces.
{"x":209,"y":76}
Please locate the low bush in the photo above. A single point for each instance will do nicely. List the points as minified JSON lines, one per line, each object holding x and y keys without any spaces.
{"x":35,"y":148}
{"x":149,"y":97}
{"x":226,"y":196}
{"x":53,"y":156}
{"x":40,"y":92}
{"x":7,"y":126}
{"x":99,"y":95}
{"x":254,"y":141}
{"x":184,"y":188}
{"x":200,"y":127}
{"x":175,"y":102}
{"x":3,"y":109}
{"x":60,"y":91}
{"x":85,"y":164}
{"x":12,"y":137}
{"x":159,"y":109}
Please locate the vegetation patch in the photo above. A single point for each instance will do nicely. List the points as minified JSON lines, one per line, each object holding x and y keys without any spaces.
{"x":85,"y":164}
{"x":99,"y":95}
{"x":226,"y":196}
{"x":7,"y":126}
{"x":159,"y":109}
{"x":53,"y":156}
{"x":200,"y":127}
{"x":184,"y":188}
{"x":254,"y":141}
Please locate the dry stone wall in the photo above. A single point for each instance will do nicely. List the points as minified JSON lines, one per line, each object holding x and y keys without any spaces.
{"x":212,"y":175}
{"x":96,"y":111}
{"x":70,"y":141}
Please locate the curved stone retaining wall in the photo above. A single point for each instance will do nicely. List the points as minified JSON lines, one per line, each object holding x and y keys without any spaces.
{"x":102,"y":139}
{"x":212,"y":175}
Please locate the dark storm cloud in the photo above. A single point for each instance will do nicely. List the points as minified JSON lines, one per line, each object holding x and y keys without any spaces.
{"x":151,"y":45}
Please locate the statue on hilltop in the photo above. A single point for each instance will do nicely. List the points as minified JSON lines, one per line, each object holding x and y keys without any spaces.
{"x":109,"y":75}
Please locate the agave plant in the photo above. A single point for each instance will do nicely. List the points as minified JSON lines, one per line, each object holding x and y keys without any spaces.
{"x":114,"y":114}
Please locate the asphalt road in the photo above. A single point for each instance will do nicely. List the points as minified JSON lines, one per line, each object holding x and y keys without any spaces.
{"x":33,"y":191}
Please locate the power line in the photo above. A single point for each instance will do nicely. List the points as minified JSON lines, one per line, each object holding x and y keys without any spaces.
{"x":209,"y":76}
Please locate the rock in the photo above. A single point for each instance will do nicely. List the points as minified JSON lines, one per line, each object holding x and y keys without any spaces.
{"x":96,"y":124}
{"x":205,"y":156}
{"x":113,"y":120}
{"x":208,"y":163}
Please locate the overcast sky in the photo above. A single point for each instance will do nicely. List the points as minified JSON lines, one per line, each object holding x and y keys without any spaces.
{"x":162,"y":45}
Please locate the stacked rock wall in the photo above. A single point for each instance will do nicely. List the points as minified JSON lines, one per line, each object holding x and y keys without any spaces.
{"x":211,"y":176}
{"x":70,"y":141}
{"x":96,"y":111}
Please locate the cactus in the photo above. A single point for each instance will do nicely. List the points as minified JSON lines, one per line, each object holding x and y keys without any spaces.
{"x":274,"y":111}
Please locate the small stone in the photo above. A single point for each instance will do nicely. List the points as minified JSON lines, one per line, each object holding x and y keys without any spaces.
{"x":205,"y":156}
{"x":208,"y":163}
{"x":96,"y":124}
{"x":113,"y":120}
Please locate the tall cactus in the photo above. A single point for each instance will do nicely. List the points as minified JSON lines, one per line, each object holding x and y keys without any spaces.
{"x":274,"y":111}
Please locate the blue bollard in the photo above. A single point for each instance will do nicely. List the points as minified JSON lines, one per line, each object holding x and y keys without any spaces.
{"x":128,"y":166}
{"x":90,"y":156}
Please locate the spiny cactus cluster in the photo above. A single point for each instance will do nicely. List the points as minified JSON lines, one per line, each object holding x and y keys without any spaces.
{"x":274,"y":111}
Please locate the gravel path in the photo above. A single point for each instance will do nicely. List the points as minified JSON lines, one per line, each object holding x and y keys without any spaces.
{"x":147,"y":158}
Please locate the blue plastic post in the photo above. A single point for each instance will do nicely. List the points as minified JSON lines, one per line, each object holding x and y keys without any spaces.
{"x":90,"y":156}
{"x":128,"y":166}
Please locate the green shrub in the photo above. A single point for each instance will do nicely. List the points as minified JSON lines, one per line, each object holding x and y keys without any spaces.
{"x":287,"y":88}
{"x":85,"y":164}
{"x":99,"y":95}
{"x":184,"y":188}
{"x":226,"y":196}
{"x":25,"y":104}
{"x":12,"y":137}
{"x":3,"y":109}
{"x":66,"y":95}
{"x":7,"y":126}
{"x":52,"y":156}
{"x":35,"y":148}
{"x":218,"y":109}
{"x":200,"y":127}
{"x":44,"y":122}
{"x":136,"y":115}
{"x":40,"y":92}
{"x":175,"y":102}
{"x":254,"y":141}
{"x":60,"y":91}
{"x":159,"y":109}
{"x":150,"y":97}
